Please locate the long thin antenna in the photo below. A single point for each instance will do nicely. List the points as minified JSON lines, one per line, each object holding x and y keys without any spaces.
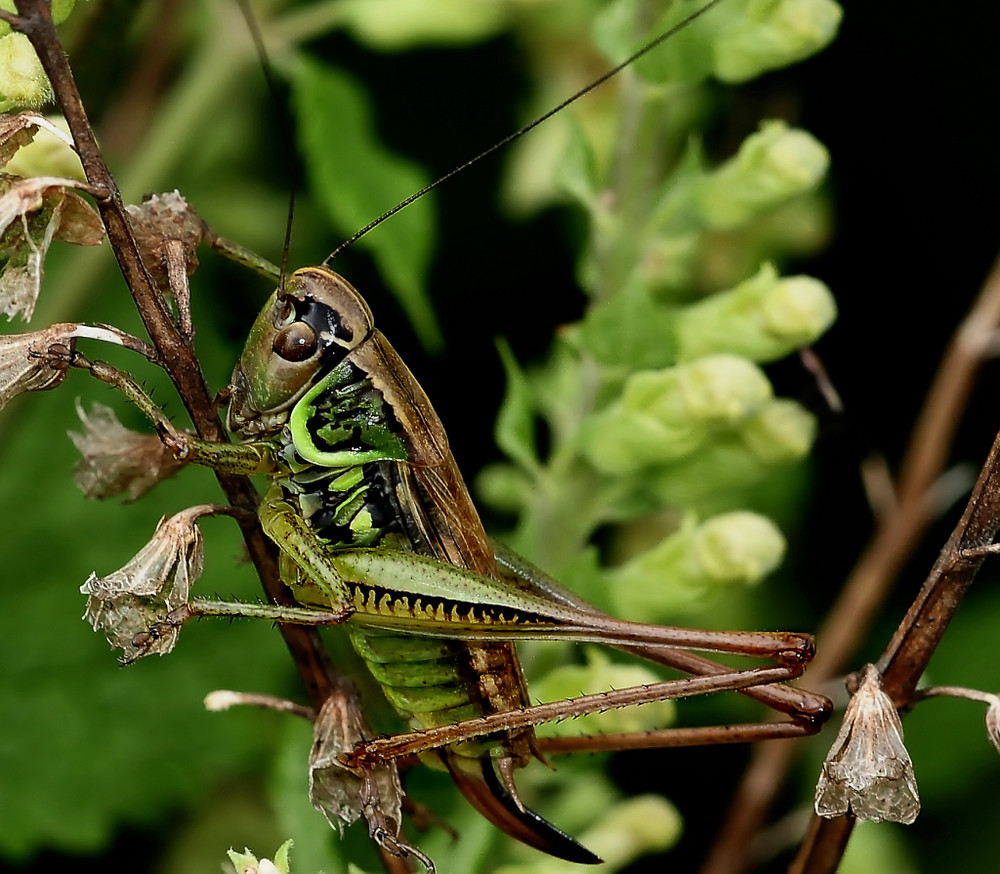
{"x":287,"y":146}
{"x":614,"y":71}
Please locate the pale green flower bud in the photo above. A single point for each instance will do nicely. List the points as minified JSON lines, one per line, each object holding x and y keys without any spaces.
{"x":780,"y":33}
{"x":599,"y":675}
{"x":664,"y":415}
{"x":780,"y":434}
{"x":23,"y":82}
{"x":763,"y":318}
{"x":739,"y":548}
{"x":783,"y":432}
{"x":772,"y":166}
{"x":392,"y":25}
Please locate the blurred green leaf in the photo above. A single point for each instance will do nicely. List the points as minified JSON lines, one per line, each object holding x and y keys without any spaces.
{"x":515,"y":428}
{"x":631,"y":330}
{"x":317,"y":846}
{"x":878,"y":847}
{"x":71,"y":746}
{"x":353,"y":173}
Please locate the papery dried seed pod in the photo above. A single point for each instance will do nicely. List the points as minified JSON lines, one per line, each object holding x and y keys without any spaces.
{"x":868,"y":771}
{"x":116,"y":459}
{"x":25,"y":363}
{"x":337,"y":791}
{"x":34,"y":212}
{"x":164,"y":218}
{"x":127,"y":603}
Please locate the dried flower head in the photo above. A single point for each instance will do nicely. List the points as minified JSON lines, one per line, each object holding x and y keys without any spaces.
{"x":116,"y":459}
{"x":34,"y":212}
{"x":159,"y":220}
{"x":343,"y":795}
{"x":17,"y":131}
{"x":129,"y":602}
{"x":27,"y":362}
{"x":868,"y":770}
{"x":35,"y":145}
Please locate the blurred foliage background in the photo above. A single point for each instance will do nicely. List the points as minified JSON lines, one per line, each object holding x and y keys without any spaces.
{"x":123,"y":769}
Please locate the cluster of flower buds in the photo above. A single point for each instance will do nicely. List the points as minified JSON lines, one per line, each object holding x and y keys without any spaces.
{"x":699,"y":559}
{"x":664,"y":415}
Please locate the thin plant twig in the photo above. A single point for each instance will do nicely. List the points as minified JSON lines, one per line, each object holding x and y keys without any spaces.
{"x":871,"y":579}
{"x":905,"y":658}
{"x":955,"y":692}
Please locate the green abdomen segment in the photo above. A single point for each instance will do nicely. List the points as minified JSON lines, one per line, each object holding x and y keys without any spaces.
{"x":426,"y":680}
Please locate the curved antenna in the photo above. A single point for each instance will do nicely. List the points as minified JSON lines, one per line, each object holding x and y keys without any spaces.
{"x":614,"y":71}
{"x":281,"y":105}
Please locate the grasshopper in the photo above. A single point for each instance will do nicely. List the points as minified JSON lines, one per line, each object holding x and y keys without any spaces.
{"x":376,"y":531}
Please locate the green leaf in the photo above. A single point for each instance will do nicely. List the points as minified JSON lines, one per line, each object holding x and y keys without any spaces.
{"x":355,"y":177}
{"x":576,"y":173}
{"x":515,"y":428}
{"x":631,"y":330}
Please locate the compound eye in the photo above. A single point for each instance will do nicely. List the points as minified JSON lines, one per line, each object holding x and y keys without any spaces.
{"x":297,"y":342}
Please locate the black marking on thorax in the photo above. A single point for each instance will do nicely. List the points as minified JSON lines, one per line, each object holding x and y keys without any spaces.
{"x":350,"y":505}
{"x":352,"y":415}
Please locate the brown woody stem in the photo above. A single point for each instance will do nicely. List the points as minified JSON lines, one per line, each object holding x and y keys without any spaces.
{"x":176,"y":354}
